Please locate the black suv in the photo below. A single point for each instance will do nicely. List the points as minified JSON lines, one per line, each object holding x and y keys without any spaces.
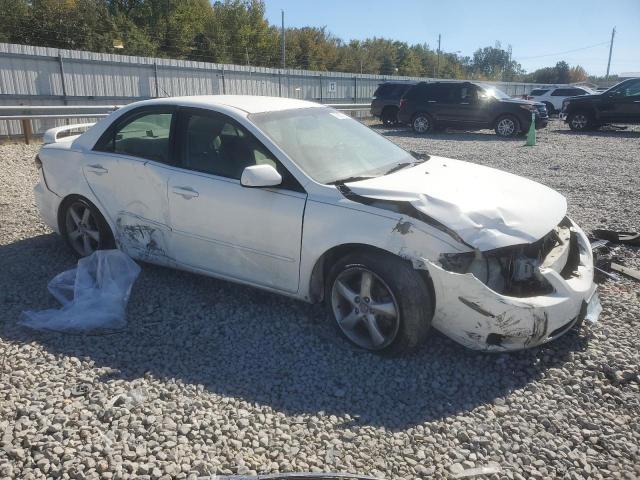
{"x":468,"y":106}
{"x":619,"y":104}
{"x":386,"y":100}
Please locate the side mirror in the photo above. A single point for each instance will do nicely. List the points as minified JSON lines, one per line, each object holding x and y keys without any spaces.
{"x":260,"y":176}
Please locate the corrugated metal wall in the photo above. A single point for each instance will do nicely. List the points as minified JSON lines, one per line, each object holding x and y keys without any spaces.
{"x":47,"y":76}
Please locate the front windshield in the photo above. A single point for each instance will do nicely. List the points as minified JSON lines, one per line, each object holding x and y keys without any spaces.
{"x":330,"y":146}
{"x":491,"y":91}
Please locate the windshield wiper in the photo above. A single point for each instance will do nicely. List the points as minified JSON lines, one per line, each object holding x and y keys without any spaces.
{"x":350,"y":179}
{"x":420,"y":158}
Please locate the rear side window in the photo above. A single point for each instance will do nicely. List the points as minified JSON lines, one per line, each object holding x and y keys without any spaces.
{"x":440,"y":92}
{"x":536,"y":92}
{"x":144,"y":135}
{"x":416,"y":92}
{"x":567,"y":92}
{"x":383,"y":90}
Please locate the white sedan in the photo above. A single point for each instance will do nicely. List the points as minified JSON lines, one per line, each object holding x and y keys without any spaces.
{"x":300,"y":199}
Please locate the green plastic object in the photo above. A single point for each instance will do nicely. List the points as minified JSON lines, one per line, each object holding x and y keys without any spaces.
{"x":531,"y":135}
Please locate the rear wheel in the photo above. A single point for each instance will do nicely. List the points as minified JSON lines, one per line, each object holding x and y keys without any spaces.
{"x":422,"y":123}
{"x":507,"y":126}
{"x":389,"y":116}
{"x":84,"y":228}
{"x":579,"y":121}
{"x":379,"y":302}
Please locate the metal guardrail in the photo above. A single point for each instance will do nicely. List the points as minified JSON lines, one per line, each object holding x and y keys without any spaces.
{"x":26,"y":113}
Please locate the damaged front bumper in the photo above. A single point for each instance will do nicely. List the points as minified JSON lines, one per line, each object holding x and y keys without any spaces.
{"x":476,"y":316}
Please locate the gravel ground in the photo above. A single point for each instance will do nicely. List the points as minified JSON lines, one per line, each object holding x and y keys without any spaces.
{"x":211,"y":377}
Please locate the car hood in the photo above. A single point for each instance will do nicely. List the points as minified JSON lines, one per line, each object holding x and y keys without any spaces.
{"x":584,"y":97}
{"x":487,"y":208}
{"x":520,"y":101}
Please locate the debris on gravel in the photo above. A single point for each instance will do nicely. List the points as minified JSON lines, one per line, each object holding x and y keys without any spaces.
{"x":216,"y":378}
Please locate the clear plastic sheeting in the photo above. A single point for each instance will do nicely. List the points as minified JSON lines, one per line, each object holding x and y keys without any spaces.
{"x":93,"y":295}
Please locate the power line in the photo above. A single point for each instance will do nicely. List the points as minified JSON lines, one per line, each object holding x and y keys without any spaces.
{"x":566,"y":51}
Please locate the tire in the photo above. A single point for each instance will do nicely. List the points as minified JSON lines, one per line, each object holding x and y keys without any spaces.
{"x":392,"y":316}
{"x":550,"y":108}
{"x":389,"y":116}
{"x":507,"y":126}
{"x":580,"y":121}
{"x":422,"y":123}
{"x":84,"y":228}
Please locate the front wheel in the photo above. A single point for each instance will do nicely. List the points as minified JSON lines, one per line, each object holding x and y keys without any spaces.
{"x":550,"y":108}
{"x":579,"y":121}
{"x":507,"y":126}
{"x":422,"y":123}
{"x":84,"y":228}
{"x":379,"y":302}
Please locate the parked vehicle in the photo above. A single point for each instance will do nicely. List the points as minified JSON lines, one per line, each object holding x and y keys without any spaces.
{"x":619,"y":104}
{"x":385,"y":102}
{"x":299,"y":199}
{"x":552,"y":97}
{"x":469,"y":106}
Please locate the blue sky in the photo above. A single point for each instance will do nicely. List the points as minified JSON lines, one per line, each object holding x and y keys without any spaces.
{"x":533,"y":28}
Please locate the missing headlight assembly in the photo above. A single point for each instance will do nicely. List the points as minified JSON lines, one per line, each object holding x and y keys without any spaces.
{"x":515,"y":270}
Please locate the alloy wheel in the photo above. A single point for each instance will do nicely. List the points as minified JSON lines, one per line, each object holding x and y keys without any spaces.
{"x":579,"y":121}
{"x":421,"y":124}
{"x":365,"y":308}
{"x":82,"y":229}
{"x":506,"y":127}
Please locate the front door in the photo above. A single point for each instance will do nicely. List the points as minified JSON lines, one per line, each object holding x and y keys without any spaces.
{"x":219,"y":226}
{"x":622,"y":104}
{"x":127,"y":171}
{"x":465,"y":108}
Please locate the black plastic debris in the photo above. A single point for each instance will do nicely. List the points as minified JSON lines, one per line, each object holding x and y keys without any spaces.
{"x":605,"y":245}
{"x":625,"y":238}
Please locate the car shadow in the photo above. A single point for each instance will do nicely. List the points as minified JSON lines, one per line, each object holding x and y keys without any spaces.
{"x":459,"y":135}
{"x":242,"y":342}
{"x":604,"y":132}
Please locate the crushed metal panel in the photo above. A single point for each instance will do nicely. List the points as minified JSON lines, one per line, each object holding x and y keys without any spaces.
{"x":143,"y":239}
{"x":487,"y":208}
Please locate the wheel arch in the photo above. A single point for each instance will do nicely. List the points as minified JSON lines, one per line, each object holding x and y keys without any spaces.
{"x":77,"y":196}
{"x":332,"y":255}
{"x":388,"y":108}
{"x":500,"y":115}
{"x":586,"y":108}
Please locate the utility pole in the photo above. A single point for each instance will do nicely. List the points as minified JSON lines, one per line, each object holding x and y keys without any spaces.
{"x":613,"y":34}
{"x":438,"y":63}
{"x":282,"y":39}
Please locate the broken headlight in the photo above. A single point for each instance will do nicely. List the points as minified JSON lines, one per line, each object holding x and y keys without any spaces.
{"x":512,"y":271}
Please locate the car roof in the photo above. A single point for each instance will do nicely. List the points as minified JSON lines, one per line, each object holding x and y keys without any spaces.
{"x":246,"y":103}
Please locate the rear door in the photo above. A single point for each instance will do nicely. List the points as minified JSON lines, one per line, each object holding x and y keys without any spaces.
{"x":437,"y":101}
{"x":127,"y":171}
{"x":219,"y":226}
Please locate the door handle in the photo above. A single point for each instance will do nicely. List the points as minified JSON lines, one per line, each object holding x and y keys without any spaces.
{"x":432,"y":101}
{"x":185,"y":192}
{"x":465,"y":103}
{"x":636,"y":101}
{"x":97,"y":169}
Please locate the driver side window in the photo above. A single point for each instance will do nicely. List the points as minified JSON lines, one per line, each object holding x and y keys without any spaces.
{"x":630,"y":89}
{"x":213,"y":143}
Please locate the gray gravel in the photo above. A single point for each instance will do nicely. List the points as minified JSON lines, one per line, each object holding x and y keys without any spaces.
{"x":212,"y":377}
